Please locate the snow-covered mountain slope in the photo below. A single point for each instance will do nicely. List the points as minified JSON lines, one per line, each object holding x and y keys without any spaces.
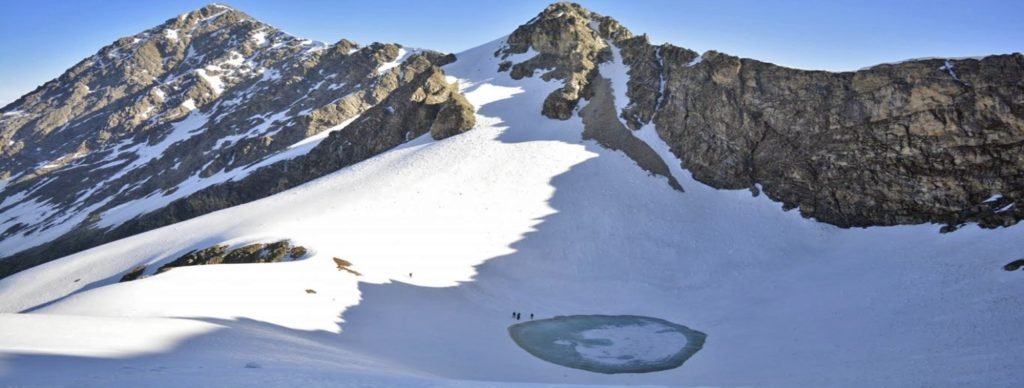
{"x":214,"y":109}
{"x":519,"y":214}
{"x":208,"y":97}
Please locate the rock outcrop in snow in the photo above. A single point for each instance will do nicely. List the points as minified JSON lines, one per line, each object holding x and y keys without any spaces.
{"x":568,"y":43}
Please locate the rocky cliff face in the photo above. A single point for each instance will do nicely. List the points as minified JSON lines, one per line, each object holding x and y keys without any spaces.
{"x":204,"y":100}
{"x":922,"y":141}
{"x":926,"y":141}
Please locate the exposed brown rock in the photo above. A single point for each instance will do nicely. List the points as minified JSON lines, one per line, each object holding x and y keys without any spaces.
{"x":344,"y":265}
{"x":895,"y":144}
{"x":645,"y":86}
{"x":297,"y":252}
{"x":252,"y":253}
{"x":568,"y":49}
{"x":135,"y":273}
{"x":211,"y":255}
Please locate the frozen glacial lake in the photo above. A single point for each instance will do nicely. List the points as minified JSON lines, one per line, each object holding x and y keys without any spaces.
{"x":608,"y":343}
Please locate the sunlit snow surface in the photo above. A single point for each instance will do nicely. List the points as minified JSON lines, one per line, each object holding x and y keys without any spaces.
{"x":608,"y":344}
{"x":520,"y":214}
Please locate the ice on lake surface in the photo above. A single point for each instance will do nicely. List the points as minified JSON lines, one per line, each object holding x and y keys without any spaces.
{"x":608,"y":343}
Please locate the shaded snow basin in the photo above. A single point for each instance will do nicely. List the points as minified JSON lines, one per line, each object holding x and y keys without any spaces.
{"x":609,"y":343}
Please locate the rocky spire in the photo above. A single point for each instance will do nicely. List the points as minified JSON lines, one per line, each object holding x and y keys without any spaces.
{"x":569,"y":41}
{"x":129,"y":82}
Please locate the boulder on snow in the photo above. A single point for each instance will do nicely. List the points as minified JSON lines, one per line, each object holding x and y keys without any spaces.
{"x":135,"y":273}
{"x":343,"y":265}
{"x":297,"y":252}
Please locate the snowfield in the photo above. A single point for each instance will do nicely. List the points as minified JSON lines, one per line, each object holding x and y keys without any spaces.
{"x":519,"y":214}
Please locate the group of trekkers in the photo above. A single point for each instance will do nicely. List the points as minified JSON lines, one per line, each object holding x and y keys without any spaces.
{"x":518,"y":315}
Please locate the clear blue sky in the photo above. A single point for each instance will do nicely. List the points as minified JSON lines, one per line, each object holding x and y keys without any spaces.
{"x":39,"y":39}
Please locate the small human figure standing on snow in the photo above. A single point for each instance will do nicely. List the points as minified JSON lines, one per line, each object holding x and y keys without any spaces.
{"x":531,"y":316}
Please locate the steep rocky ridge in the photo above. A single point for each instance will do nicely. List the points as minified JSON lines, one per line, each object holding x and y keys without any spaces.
{"x":425,"y":103}
{"x":921,"y":141}
{"x":233,"y":96}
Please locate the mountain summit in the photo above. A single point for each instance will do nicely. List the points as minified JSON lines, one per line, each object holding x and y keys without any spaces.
{"x":206,"y":98}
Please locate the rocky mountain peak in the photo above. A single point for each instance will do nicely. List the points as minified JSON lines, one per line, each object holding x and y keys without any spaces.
{"x":206,"y":97}
{"x":574,"y":17}
{"x":222,"y":13}
{"x":344,"y":46}
{"x":569,"y":42}
{"x":563,"y":26}
{"x":128,"y":86}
